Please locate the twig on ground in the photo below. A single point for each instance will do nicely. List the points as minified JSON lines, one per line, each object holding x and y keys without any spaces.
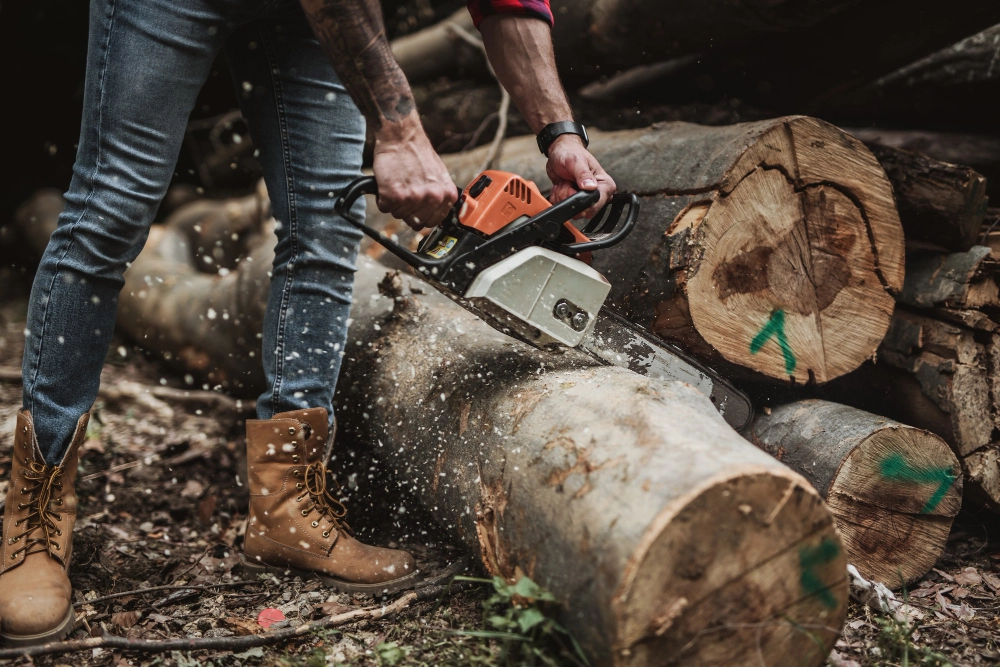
{"x":226,"y":643}
{"x":493,"y":154}
{"x":172,"y":587}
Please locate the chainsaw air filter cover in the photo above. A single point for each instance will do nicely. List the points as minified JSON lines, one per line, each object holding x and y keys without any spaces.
{"x":555,"y":297}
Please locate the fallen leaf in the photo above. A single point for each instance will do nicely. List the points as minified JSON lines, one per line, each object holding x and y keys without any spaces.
{"x":126,"y":619}
{"x":968,"y":577}
{"x":837,"y":660}
{"x":960,"y":593}
{"x":993,"y":581}
{"x":945,"y":575}
{"x":269,"y":616}
{"x":243,"y":626}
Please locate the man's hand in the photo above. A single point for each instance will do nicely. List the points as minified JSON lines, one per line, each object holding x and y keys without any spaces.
{"x":520,"y":50}
{"x":413,"y":182}
{"x":571,"y":167}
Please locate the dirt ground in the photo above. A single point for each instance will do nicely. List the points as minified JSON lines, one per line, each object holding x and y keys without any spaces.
{"x":163,"y":499}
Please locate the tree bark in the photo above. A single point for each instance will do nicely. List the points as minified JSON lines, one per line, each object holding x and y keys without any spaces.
{"x":664,"y":535}
{"x":939,"y":203}
{"x":957,"y":280}
{"x":745,"y":230}
{"x":894,"y":490}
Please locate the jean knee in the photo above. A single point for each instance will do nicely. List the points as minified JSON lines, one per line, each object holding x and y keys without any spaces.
{"x":95,"y":247}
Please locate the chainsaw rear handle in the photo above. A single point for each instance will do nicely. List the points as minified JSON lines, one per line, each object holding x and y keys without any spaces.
{"x":366,"y":185}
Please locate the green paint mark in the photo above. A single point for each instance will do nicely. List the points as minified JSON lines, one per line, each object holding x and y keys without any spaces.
{"x":775,"y":327}
{"x":809,"y":559}
{"x":896,"y":467}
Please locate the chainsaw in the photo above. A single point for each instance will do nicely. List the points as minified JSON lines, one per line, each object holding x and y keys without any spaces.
{"x":516,"y":261}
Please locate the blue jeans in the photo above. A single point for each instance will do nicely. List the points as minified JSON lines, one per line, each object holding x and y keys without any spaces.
{"x":146,"y":62}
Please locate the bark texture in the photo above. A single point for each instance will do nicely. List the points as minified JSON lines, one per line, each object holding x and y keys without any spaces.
{"x":939,"y":203}
{"x":893,"y":489}
{"x":667,"y":537}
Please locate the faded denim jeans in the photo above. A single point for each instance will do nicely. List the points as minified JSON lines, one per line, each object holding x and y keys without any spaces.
{"x":146,"y":62}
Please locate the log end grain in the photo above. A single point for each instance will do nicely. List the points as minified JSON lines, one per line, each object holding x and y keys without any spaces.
{"x":798,"y":256}
{"x":894,"y":490}
{"x":747,"y":565}
{"x":894,"y":499}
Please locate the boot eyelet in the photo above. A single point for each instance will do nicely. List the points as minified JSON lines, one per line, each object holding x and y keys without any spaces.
{"x":305,"y":512}
{"x":21,"y":506}
{"x":297,"y":473}
{"x":291,"y":430}
{"x":298,"y":485}
{"x":326,"y":533}
{"x":295,"y":458}
{"x":56,"y":546}
{"x":59,"y":501}
{"x":314,"y":524}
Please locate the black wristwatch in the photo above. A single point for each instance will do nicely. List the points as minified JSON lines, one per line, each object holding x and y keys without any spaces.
{"x":553,"y":130}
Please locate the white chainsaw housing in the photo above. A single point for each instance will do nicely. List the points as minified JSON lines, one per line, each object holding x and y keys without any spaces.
{"x":527,"y":286}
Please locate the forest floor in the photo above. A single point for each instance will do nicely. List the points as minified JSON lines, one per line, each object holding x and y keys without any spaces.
{"x":163,"y":499}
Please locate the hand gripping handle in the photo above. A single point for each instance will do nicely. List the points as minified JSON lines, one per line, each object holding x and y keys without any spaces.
{"x":366,"y":185}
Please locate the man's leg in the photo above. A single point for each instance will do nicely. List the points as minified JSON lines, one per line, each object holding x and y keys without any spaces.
{"x":145,"y":64}
{"x":310,"y":135}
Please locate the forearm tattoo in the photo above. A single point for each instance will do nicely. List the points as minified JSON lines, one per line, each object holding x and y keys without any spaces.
{"x":353,"y":36}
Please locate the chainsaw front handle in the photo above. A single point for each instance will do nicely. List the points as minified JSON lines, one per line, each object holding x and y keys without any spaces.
{"x":603,"y":229}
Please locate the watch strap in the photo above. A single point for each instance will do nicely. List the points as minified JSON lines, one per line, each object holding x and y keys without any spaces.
{"x":553,"y":130}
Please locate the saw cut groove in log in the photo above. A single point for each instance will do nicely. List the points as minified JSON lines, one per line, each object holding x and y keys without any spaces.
{"x":939,"y":203}
{"x":893,"y":489}
{"x":668,"y":538}
{"x":774,"y":245}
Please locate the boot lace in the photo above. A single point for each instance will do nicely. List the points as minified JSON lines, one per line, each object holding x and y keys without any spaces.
{"x":40,"y":527}
{"x":322,"y":501}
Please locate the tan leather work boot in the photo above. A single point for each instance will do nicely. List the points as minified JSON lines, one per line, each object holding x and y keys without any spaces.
{"x":39,"y":514}
{"x":297,"y":526}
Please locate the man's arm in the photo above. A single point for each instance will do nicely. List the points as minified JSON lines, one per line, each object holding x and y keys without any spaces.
{"x":414,"y":184}
{"x":520,"y":50}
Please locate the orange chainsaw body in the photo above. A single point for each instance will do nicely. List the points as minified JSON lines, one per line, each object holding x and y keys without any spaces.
{"x":497,"y":198}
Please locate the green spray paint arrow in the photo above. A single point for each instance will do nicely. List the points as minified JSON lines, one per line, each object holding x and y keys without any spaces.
{"x":809,"y":559}
{"x":896,"y":467}
{"x":775,"y":327}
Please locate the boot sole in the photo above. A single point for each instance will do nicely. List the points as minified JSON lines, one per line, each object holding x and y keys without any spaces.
{"x":339,"y":585}
{"x":57,"y":634}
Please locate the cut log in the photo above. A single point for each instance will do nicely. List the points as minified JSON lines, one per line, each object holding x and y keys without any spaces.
{"x":940,"y":377}
{"x":894,"y":490}
{"x":666,"y":536}
{"x":435,"y":50}
{"x":939,"y":203}
{"x":774,"y":245}
{"x":969,"y":60}
{"x":979,"y":151}
{"x":953,"y":370}
{"x":957,"y":280}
